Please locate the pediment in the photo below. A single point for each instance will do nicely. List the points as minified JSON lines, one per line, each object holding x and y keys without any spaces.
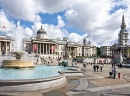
{"x":115,"y":46}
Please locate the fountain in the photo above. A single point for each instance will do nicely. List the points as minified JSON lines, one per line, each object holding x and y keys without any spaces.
{"x":18,"y":53}
{"x":19,"y":75}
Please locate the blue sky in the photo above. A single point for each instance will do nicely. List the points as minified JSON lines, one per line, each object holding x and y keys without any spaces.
{"x":97,"y":21}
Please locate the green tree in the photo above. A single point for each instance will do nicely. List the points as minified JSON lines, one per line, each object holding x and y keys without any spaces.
{"x":128,"y":52}
{"x":98,"y":51}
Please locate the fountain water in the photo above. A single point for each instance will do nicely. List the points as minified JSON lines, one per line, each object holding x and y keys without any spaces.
{"x":18,"y":53}
{"x":18,"y":37}
{"x":11,"y":77}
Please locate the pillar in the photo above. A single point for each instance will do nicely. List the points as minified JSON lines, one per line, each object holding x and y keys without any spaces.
{"x":43,"y":48}
{"x":37,"y":48}
{"x":0,"y":48}
{"x":6,"y":48}
{"x":46,"y":48}
{"x":49,"y":48}
{"x":40,"y":48}
{"x":33,"y":47}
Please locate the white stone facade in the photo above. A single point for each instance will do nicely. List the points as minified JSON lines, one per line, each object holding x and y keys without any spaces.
{"x":105,"y":51}
{"x":40,"y":45}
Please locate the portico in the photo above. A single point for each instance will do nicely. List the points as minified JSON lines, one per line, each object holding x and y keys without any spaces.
{"x":5,"y":45}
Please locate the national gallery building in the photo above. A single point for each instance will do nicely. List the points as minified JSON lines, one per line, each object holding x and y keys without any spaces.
{"x":40,"y":45}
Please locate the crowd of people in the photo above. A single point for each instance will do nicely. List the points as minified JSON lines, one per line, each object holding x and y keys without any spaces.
{"x":99,"y":67}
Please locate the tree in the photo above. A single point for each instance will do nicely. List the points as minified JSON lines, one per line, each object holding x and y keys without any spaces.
{"x":128,"y":52}
{"x":98,"y":51}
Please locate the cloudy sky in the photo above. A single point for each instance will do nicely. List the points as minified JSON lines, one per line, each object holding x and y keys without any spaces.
{"x":96,"y":20}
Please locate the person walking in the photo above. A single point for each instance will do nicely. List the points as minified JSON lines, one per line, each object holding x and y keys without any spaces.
{"x":97,"y":68}
{"x":119,"y":75}
{"x":114,"y":73}
{"x":101,"y":66}
{"x":94,"y":68}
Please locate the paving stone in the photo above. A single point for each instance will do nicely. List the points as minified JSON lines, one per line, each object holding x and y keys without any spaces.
{"x":54,"y":93}
{"x":31,"y":93}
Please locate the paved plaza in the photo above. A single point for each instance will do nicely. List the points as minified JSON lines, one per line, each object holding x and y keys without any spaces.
{"x":91,"y":84}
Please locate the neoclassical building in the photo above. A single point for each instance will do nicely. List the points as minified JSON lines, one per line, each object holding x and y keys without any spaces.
{"x":44,"y":46}
{"x":123,"y":42}
{"x":5,"y":44}
{"x":41,"y":45}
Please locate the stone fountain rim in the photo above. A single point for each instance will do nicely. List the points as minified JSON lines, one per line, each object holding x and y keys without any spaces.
{"x":34,"y":80}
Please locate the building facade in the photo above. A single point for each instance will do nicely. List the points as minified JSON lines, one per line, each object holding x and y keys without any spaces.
{"x":40,"y":45}
{"x":105,"y":51}
{"x":6,"y":44}
{"x":122,"y":46}
{"x":44,"y":46}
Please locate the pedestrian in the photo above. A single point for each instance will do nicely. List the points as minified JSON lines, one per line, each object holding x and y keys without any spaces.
{"x":119,"y":75}
{"x":114,"y":73}
{"x":94,"y":68}
{"x":118,"y":65}
{"x":97,"y":68}
{"x":101,"y":66}
{"x":121,"y":65}
{"x":112,"y":66}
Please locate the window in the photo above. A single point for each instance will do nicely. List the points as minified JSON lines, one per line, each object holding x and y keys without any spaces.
{"x":125,"y":36}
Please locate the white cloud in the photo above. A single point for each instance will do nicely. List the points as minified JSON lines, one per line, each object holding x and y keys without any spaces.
{"x":22,"y":10}
{"x":53,"y":31}
{"x":29,"y":10}
{"x":61,"y":23}
{"x":76,"y":37}
{"x":93,"y":17}
{"x":5,"y":22}
{"x":51,"y":7}
{"x":88,"y":16}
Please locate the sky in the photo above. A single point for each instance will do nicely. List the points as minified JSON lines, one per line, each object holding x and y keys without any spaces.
{"x":98,"y":21}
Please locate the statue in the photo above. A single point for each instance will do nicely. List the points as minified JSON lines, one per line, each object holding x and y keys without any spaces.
{"x":84,"y":41}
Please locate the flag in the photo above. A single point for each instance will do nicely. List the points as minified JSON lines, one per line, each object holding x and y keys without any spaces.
{"x":4,"y":27}
{"x":35,"y":47}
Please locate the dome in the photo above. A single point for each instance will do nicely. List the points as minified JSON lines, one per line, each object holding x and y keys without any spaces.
{"x":41,"y":31}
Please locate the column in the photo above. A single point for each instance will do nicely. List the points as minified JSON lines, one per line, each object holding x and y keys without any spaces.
{"x":49,"y":48}
{"x":40,"y":48}
{"x":46,"y":48}
{"x":33,"y":47}
{"x":0,"y":48}
{"x":37,"y":48}
{"x":43,"y":48}
{"x":6,"y":48}
{"x":9,"y":46}
{"x":122,"y":52}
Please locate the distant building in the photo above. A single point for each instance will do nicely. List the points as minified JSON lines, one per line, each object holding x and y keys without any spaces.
{"x":123,"y":40}
{"x":44,"y":46}
{"x":105,"y":51}
{"x":6,"y":44}
{"x":41,"y":45}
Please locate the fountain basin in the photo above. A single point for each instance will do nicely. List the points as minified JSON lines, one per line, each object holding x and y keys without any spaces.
{"x":17,"y":64}
{"x":32,"y":84}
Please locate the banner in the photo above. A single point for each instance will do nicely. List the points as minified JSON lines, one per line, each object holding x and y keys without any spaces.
{"x":52,"y":48}
{"x":35,"y":47}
